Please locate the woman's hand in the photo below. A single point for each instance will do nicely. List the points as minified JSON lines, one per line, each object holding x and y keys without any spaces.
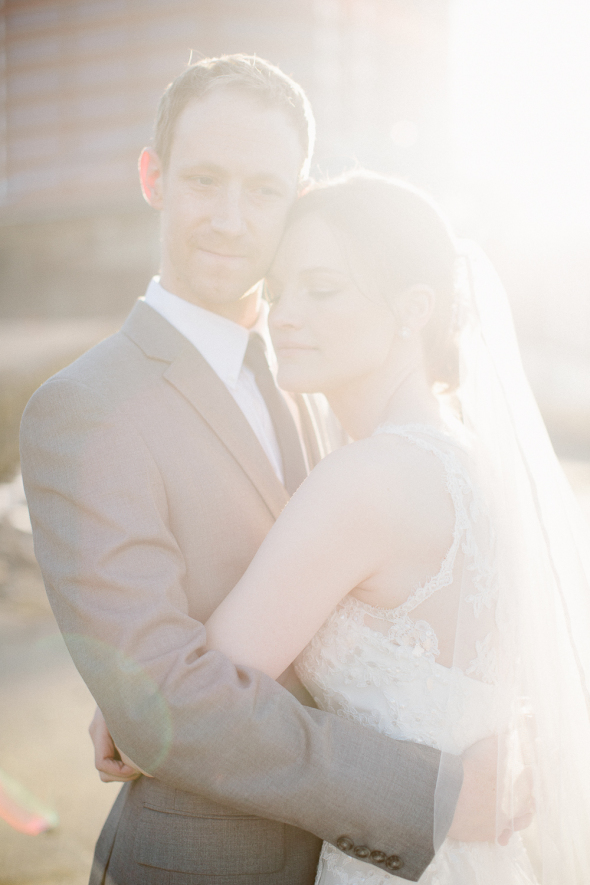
{"x":477,"y":815}
{"x":111,"y":764}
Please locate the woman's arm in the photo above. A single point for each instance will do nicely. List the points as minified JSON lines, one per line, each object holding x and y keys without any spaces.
{"x":329,"y":539}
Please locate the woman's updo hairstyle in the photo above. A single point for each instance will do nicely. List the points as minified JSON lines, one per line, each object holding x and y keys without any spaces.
{"x":401,"y":239}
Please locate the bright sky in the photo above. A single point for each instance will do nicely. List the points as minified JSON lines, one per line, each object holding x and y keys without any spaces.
{"x":521,"y":75}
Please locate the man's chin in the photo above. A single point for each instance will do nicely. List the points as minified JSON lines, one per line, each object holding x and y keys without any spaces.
{"x":226,"y":284}
{"x":231,"y":300}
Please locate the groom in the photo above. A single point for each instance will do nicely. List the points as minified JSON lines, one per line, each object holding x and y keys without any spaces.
{"x":154,"y":466}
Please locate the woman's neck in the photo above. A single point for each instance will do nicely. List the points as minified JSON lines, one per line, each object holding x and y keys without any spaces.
{"x":402,"y":396}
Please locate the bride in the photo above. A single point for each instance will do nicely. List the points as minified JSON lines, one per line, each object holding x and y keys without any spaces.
{"x":428,"y":578}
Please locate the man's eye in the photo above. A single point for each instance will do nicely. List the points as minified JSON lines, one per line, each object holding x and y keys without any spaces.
{"x":266,"y":191}
{"x":204,"y":180}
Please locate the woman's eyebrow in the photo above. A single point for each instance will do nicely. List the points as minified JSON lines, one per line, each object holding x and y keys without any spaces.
{"x":320,"y":269}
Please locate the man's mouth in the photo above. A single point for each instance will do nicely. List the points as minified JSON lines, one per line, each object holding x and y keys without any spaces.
{"x":223,"y":256}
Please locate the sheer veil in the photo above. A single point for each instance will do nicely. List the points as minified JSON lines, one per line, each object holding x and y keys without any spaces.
{"x":533,"y":626}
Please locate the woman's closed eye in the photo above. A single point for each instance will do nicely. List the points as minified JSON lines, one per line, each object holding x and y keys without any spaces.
{"x":320,"y":292}
{"x":321,"y":284}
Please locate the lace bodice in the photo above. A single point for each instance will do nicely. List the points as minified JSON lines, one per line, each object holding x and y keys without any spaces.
{"x":378,"y":667}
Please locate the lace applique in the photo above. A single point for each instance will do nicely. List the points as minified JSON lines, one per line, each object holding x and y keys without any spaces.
{"x":417,"y":635}
{"x":485,"y":665}
{"x":484,"y":575}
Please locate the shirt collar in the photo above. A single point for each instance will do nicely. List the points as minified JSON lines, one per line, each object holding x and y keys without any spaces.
{"x":221,"y":342}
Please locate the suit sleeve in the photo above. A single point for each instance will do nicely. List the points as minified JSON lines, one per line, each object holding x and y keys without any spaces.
{"x":115,"y":578}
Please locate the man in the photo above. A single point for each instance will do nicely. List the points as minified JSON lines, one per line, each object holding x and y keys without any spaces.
{"x":153,"y":469}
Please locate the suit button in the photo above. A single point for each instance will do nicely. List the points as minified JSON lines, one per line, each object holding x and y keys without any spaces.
{"x":345,"y":843}
{"x":378,"y":856}
{"x":362,"y":851}
{"x":394,"y":862}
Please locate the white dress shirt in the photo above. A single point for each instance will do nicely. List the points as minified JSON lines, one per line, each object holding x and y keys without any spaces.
{"x":222,"y":343}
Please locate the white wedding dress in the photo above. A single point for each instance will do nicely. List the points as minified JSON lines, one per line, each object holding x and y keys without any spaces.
{"x":378,"y":667}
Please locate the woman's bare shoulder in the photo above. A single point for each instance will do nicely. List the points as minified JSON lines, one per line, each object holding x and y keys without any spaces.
{"x":378,"y":457}
{"x":382,"y":474}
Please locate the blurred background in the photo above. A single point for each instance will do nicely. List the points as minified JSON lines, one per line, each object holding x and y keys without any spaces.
{"x":486,"y":105}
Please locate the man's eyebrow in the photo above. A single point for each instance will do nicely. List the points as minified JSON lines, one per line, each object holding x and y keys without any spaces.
{"x":269,"y":177}
{"x":202,"y":167}
{"x":195,"y":168}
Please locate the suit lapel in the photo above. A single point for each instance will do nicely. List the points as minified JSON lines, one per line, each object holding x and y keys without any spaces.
{"x":194,"y":378}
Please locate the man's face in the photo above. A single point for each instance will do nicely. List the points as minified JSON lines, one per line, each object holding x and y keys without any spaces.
{"x":230,"y":179}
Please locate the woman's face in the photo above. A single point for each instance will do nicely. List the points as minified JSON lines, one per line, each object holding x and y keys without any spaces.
{"x":327,"y":332}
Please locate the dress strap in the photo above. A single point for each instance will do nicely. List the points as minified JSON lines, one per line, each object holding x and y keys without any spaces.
{"x":457,"y":484}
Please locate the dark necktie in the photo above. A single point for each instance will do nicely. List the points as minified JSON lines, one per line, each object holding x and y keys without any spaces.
{"x":294,"y":470}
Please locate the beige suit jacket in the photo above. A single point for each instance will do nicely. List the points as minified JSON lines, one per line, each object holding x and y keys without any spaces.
{"x":149,"y":495}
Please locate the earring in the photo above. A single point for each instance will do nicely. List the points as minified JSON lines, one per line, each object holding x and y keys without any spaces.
{"x":404,"y":332}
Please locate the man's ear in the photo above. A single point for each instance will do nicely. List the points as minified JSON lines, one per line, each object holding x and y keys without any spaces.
{"x":150,"y":176}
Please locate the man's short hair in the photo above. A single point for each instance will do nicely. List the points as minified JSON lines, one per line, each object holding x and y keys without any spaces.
{"x":246,"y":73}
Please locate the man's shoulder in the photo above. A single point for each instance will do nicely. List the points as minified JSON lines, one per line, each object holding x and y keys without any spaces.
{"x":107,"y":379}
{"x":140,"y":349}
{"x":95,"y":369}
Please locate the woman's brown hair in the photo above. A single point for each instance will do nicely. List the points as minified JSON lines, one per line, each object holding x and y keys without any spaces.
{"x":401,"y":239}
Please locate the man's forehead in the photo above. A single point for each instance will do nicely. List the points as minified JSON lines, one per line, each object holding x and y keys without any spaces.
{"x":228,"y":125}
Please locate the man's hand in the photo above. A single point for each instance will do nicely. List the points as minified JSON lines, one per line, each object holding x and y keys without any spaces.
{"x":478,"y":817}
{"x":107,"y":759}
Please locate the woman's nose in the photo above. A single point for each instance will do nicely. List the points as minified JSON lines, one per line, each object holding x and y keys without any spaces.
{"x":286,"y":311}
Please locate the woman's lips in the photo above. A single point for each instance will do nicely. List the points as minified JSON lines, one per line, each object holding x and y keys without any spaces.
{"x":291,"y":349}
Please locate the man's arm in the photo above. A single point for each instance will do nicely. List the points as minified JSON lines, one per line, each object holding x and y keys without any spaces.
{"x":477,"y":818}
{"x":115,"y":577}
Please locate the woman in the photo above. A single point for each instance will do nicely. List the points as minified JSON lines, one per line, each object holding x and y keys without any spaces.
{"x":422,"y":576}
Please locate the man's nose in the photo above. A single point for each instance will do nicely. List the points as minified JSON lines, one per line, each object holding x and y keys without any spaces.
{"x":228,"y":216}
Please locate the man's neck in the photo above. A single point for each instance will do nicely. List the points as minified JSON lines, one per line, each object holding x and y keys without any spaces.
{"x":244,"y":311}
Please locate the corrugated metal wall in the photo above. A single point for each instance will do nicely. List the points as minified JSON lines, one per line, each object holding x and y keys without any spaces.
{"x":80,"y":84}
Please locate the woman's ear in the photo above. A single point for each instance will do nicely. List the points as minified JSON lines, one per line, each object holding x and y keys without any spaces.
{"x":150,"y":176}
{"x":414,"y":307}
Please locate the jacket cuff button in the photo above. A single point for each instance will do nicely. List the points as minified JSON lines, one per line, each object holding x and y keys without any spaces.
{"x":394,"y":862}
{"x":344,"y":843}
{"x":378,"y":856}
{"x":362,"y":851}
